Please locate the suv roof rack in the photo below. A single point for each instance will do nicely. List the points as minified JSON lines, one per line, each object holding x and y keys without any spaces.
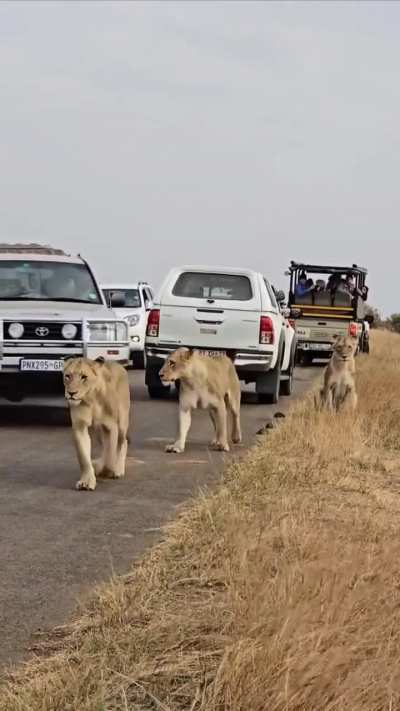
{"x":31,"y":248}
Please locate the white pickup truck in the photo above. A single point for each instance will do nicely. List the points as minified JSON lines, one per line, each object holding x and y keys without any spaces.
{"x":216,"y":310}
{"x":51,"y":307}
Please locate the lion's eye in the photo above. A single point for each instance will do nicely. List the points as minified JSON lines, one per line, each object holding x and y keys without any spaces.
{"x":83,"y":377}
{"x":67,"y":377}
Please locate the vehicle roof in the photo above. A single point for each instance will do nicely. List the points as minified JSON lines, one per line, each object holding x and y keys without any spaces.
{"x":36,"y":252}
{"x":216,"y":269}
{"x":326,"y":269}
{"x":123,"y":285}
{"x":21,"y":256}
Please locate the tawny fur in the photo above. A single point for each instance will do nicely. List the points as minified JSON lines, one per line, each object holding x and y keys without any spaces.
{"x":209,"y":383}
{"x":339,"y":390}
{"x":99,"y":400}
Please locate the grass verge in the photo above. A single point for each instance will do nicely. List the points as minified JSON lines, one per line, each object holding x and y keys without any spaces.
{"x":279,"y":592}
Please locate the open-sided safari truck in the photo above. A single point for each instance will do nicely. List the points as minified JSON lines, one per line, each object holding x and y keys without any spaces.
{"x":324,"y":302}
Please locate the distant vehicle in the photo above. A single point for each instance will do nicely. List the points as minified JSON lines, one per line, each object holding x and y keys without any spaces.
{"x":137,"y":301}
{"x":222,"y":310}
{"x":326,"y":301}
{"x":51,"y":307}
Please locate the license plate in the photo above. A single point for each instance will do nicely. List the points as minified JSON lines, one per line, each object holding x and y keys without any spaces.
{"x":211,"y":354}
{"x":321,"y":346}
{"x":41,"y":364}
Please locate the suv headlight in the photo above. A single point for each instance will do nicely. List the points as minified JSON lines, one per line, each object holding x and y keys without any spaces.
{"x":107,"y":331}
{"x":132,"y":320}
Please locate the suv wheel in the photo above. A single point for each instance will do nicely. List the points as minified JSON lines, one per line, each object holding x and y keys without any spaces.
{"x":138,"y":360}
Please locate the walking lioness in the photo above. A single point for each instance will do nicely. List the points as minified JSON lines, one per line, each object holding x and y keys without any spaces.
{"x":209,"y":383}
{"x":98,"y":396}
{"x":339,"y":387}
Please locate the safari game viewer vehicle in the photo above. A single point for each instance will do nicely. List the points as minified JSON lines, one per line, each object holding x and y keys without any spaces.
{"x":222,"y":310}
{"x":321,"y":309}
{"x":51,"y":308}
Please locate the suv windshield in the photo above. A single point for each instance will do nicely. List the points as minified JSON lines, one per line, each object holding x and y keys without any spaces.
{"x":46,"y":281}
{"x":132,"y":297}
{"x":201,"y":285}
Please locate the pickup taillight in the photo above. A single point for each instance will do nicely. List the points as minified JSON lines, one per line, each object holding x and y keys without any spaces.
{"x":153,"y":323}
{"x":353,"y":330}
{"x":267,"y":336}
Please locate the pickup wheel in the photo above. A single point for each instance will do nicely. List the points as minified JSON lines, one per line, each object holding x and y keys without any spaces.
{"x":307,"y":359}
{"x":269,"y":385}
{"x":287,"y":385}
{"x":158,"y":393}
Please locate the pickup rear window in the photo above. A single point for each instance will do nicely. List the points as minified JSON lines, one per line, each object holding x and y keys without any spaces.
{"x":202,"y":285}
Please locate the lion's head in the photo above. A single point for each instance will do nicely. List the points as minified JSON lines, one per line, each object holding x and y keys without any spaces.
{"x":80,"y":378}
{"x":345,"y":347}
{"x":176,"y":366}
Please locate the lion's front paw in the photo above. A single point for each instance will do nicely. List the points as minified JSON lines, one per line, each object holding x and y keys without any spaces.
{"x":173,"y":448}
{"x":221,"y":447}
{"x":86,"y":484}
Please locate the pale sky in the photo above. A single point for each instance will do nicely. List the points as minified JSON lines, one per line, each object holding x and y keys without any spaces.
{"x":151,"y":134}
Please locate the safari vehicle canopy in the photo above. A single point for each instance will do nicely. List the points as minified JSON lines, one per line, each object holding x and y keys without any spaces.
{"x":326,"y":301}
{"x":328,"y":297}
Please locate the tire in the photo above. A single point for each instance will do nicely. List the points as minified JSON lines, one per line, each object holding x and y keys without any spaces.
{"x":158,"y":393}
{"x":273,"y":379}
{"x":286,"y":386}
{"x":138,"y":360}
{"x":306,"y":359}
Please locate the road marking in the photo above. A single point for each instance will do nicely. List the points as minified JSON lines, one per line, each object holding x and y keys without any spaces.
{"x":158,"y":439}
{"x":189,"y":461}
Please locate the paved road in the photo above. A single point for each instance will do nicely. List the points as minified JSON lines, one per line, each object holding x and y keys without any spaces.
{"x":55,"y":542}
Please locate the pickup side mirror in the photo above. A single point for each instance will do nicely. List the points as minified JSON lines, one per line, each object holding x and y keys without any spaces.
{"x":117,"y":300}
{"x":280,"y":296}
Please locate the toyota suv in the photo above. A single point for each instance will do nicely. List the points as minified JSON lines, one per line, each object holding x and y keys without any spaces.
{"x":51,"y":308}
{"x":223,"y":310}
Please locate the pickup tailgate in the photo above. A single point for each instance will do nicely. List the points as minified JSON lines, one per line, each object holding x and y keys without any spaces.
{"x":320,"y":330}
{"x":224,"y":315}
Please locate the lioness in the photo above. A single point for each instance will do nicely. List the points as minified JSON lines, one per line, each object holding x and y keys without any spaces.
{"x":209,"y":383}
{"x":98,"y":396}
{"x":339,"y":387}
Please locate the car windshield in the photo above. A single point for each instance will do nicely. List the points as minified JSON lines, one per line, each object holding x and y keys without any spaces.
{"x":132,"y":297}
{"x":202,"y":285}
{"x":47,"y":281}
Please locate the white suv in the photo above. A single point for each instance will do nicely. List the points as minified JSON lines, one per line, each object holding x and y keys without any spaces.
{"x":51,"y":308}
{"x":223,"y":310}
{"x":137,"y":300}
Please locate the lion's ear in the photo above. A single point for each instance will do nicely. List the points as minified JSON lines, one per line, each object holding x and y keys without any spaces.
{"x":188,"y":353}
{"x":67,"y":360}
{"x":100,"y":359}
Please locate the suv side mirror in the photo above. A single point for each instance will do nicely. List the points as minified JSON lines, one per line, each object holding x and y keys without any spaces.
{"x":117,"y":300}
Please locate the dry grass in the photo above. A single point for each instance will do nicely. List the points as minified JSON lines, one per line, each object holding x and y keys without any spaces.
{"x":280,"y":592}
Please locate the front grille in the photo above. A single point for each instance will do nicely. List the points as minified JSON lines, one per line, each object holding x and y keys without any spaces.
{"x":42,"y":331}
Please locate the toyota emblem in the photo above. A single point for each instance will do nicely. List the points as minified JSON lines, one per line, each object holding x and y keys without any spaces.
{"x":42,"y":331}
